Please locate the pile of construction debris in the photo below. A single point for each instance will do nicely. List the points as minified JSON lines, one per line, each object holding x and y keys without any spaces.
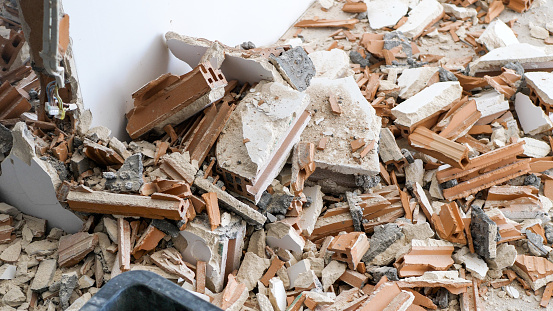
{"x":299,"y":177}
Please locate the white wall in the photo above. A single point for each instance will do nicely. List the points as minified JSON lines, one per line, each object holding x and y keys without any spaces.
{"x":119,"y":45}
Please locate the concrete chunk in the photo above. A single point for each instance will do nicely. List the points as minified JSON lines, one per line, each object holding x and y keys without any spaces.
{"x":251,"y":270}
{"x":485,"y":233}
{"x":333,"y":64}
{"x":497,"y":35}
{"x":44,"y":275}
{"x":332,"y":272}
{"x":296,"y":67}
{"x":128,"y":178}
{"x":474,"y":264}
{"x":427,"y":102}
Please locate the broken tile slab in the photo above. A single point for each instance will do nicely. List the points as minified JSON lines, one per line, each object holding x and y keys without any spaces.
{"x":229,"y":60}
{"x":172,"y":99}
{"x":448,"y":279}
{"x":532,"y":119}
{"x":312,"y":212}
{"x":529,"y":56}
{"x":44,"y":275}
{"x":102,"y":155}
{"x":443,"y":149}
{"x":159,"y":206}
{"x":535,"y":148}
{"x":11,"y":253}
{"x":382,"y":239}
{"x":229,"y":202}
{"x":383,"y":13}
{"x":218,"y":248}
{"x":128,"y":178}
{"x":170,"y":260}
{"x":333,"y":64}
{"x":295,"y":66}
{"x":251,"y":270}
{"x":413,"y":80}
{"x":536,"y":271}
{"x":283,"y":235}
{"x":497,"y":34}
{"x":73,"y":248}
{"x":484,"y":233}
{"x":427,"y":102}
{"x":41,"y":248}
{"x":14,"y":297}
{"x":350,"y":248}
{"x":426,"y":13}
{"x":337,"y":155}
{"x":425,"y":255}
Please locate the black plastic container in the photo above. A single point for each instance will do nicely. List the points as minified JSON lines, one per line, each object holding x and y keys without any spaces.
{"x":144,"y":290}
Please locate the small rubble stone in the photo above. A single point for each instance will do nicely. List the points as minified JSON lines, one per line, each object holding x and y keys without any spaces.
{"x":535,"y":244}
{"x":414,"y":172}
{"x":357,"y":58}
{"x":14,"y":297}
{"x":417,"y":232}
{"x":11,"y":254}
{"x":128,"y":178}
{"x":549,"y":233}
{"x":538,"y":32}
{"x":408,"y":156}
{"x":79,"y":163}
{"x":79,"y":302}
{"x":332,"y":272}
{"x":505,"y":257}
{"x":279,"y":204}
{"x":247,"y":45}
{"x":85,"y":282}
{"x":296,"y":67}
{"x":532,"y":180}
{"x":366,"y":181}
{"x":378,"y":272}
{"x":485,"y":233}
{"x":446,"y":75}
{"x":396,"y":38}
{"x":67,"y":285}
{"x":383,"y":237}
{"x":474,"y":264}
{"x":44,"y":275}
{"x":6,"y":140}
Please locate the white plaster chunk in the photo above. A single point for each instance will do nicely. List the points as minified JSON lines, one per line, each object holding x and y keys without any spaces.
{"x":518,"y":52}
{"x":333,"y":64}
{"x":474,"y":264}
{"x":538,"y":32}
{"x":385,"y":13}
{"x":542,"y":82}
{"x":358,"y":119}
{"x":497,"y":35}
{"x":251,"y":270}
{"x":511,"y":291}
{"x":295,"y":270}
{"x":101,"y":132}
{"x":535,"y":148}
{"x":332,"y":272}
{"x":460,"y":12}
{"x":277,"y":294}
{"x":420,"y":17}
{"x":532,"y":118}
{"x":282,"y":235}
{"x":268,"y":113}
{"x":490,"y":103}
{"x":327,"y":4}
{"x":264,"y":302}
{"x":413,"y":80}
{"x":311,"y":213}
{"x":427,"y":102}
{"x":23,"y":143}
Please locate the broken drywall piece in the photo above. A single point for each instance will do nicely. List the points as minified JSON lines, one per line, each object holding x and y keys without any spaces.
{"x":333,"y":64}
{"x":526,"y":54}
{"x":535,"y":148}
{"x":277,"y":294}
{"x":490,"y":104}
{"x":235,"y":67}
{"x":426,"y":13}
{"x":383,"y":13}
{"x":497,"y":35}
{"x":295,"y":67}
{"x":311,"y":213}
{"x":474,"y":264}
{"x":358,"y":119}
{"x":461,"y":12}
{"x":541,"y":83}
{"x":532,"y":118}
{"x":23,"y":145}
{"x":413,"y":80}
{"x":427,"y":102}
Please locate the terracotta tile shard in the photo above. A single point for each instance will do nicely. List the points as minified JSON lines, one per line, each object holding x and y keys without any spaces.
{"x":124,"y":242}
{"x":422,"y":300}
{"x":449,"y":225}
{"x":166,"y":206}
{"x":322,"y":143}
{"x":6,"y":234}
{"x":203,"y":135}
{"x":536,"y":271}
{"x":232,"y":292}
{"x":425,"y":258}
{"x":546,"y":295}
{"x":357,"y":144}
{"x":386,"y":296}
{"x":548,"y":189}
{"x":446,"y":279}
{"x":200,"y":276}
{"x":445,"y":150}
{"x":354,"y":7}
{"x":170,"y":260}
{"x":508,"y":229}
{"x":496,"y":7}
{"x":148,"y":241}
{"x":212,"y":207}
{"x":172,"y":99}
{"x":178,"y":167}
{"x":276,"y":264}
{"x":324,"y":23}
{"x":504,"y":83}
{"x":520,"y":5}
{"x":349,"y":248}
{"x":172,"y":187}
{"x":101,"y":154}
{"x":460,"y":121}
{"x":354,"y":278}
{"x":12,"y":103}
{"x":161,"y":149}
{"x":334,"y":105}
{"x":74,"y":248}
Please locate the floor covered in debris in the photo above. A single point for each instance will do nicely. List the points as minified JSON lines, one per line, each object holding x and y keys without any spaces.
{"x":381,"y":155}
